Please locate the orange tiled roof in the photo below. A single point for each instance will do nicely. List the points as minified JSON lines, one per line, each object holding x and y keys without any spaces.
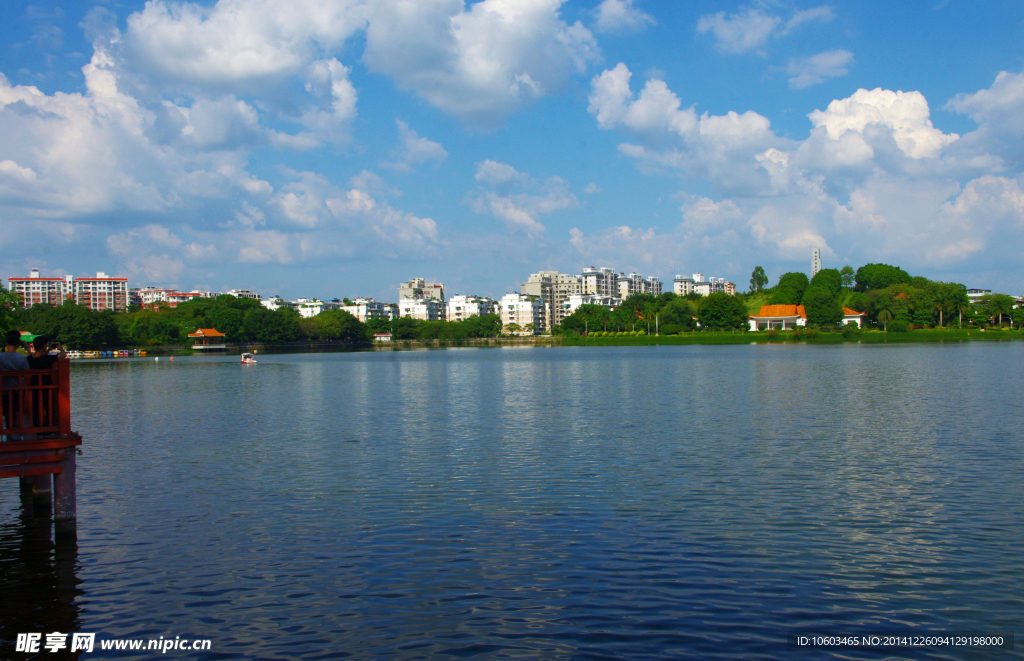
{"x":781,"y":311}
{"x":207,"y":332}
{"x":848,"y":312}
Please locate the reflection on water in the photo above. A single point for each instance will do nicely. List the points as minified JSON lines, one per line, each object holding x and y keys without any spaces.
{"x":38,"y":576}
{"x":629,"y":503}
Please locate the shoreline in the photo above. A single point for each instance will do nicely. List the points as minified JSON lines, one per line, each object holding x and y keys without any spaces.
{"x":694,"y":338}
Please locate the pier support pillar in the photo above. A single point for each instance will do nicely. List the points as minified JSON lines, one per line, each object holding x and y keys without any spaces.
{"x":42,"y":487}
{"x":65,"y":504}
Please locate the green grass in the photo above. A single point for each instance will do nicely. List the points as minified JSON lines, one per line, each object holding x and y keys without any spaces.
{"x":763,"y":337}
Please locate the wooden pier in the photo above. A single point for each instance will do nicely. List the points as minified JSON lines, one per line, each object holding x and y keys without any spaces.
{"x":37,"y":443}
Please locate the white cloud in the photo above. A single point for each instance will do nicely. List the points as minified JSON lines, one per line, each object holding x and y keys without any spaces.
{"x":874,"y":175}
{"x":720,"y":146}
{"x":499,"y":174}
{"x":617,"y":16}
{"x":808,"y":71}
{"x":592,"y":188}
{"x":480,"y":64}
{"x":414,"y":150}
{"x":751,"y":28}
{"x":906,"y":114}
{"x":520,"y":210}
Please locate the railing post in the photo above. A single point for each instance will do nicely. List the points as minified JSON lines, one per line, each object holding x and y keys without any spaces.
{"x":64,"y":397}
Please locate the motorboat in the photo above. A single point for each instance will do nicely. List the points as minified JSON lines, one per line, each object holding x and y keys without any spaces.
{"x":248,"y":359}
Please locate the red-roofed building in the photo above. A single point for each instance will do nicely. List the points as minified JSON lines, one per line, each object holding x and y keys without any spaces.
{"x":854,"y":316}
{"x":779,"y":317}
{"x":208,"y":338}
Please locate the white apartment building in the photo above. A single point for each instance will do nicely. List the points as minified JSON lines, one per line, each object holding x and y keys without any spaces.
{"x":101,"y":292}
{"x":713,"y":285}
{"x":35,"y":289}
{"x":427,"y":309}
{"x":244,"y":293}
{"x":364,"y":309}
{"x":417,"y":288}
{"x":277,"y":303}
{"x":526,"y":311}
{"x":463,"y":307}
{"x":147,"y":296}
{"x":574,"y":301}
{"x":553,"y":288}
{"x":634,"y":283}
{"x":600,"y":282}
{"x":311,"y":307}
{"x":682,"y":285}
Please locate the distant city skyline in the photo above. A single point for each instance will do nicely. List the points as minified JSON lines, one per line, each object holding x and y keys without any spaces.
{"x":339,"y":148}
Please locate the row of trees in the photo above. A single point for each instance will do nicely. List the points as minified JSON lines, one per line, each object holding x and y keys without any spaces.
{"x":241,"y":319}
{"x":667,"y":313}
{"x":887,"y":294}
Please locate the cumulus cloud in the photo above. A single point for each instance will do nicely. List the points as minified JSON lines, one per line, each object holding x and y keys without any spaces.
{"x":517,"y":199}
{"x":874,"y":173}
{"x":906,"y":114}
{"x":751,"y":28}
{"x":617,"y":16}
{"x":808,"y":71}
{"x":414,"y":150}
{"x":671,"y":136}
{"x":482,"y":63}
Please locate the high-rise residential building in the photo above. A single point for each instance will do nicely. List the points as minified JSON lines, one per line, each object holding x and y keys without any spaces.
{"x":427,"y":309}
{"x":600,"y":282}
{"x":365,"y":309}
{"x":526,"y":311}
{"x":102,"y":292}
{"x":35,"y":289}
{"x":463,"y":307}
{"x":815,"y":262}
{"x":682,"y":285}
{"x":553,"y":288}
{"x":634,"y":283}
{"x":418,"y":288}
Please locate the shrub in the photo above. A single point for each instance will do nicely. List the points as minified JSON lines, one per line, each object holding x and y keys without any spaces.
{"x":670,"y":329}
{"x":898,"y":326}
{"x":850,"y":331}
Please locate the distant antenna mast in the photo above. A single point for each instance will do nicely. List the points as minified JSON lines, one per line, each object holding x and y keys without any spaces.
{"x":815,"y":262}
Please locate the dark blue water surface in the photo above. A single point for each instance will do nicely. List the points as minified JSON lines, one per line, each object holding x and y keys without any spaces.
{"x":560,"y":503}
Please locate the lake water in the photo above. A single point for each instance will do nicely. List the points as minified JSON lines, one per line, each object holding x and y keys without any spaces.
{"x":559,"y":503}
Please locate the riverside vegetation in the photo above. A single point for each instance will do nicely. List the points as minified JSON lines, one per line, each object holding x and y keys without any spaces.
{"x":897,"y":305}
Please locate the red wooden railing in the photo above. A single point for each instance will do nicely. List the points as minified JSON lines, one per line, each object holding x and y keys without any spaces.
{"x":36,"y":403}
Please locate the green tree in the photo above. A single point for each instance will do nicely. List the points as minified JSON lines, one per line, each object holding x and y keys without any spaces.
{"x":758,"y":280}
{"x":335,"y":325}
{"x":586,"y":318}
{"x":679,"y":313}
{"x":884,"y":317}
{"x":10,"y":306}
{"x":790,"y":289}
{"x":721,"y":310}
{"x":848,"y":275}
{"x":880,"y":276}
{"x":822,"y":308}
{"x":998,"y":305}
{"x":829,"y":280}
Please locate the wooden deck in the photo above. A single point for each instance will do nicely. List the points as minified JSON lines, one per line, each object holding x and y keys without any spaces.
{"x":37,"y":443}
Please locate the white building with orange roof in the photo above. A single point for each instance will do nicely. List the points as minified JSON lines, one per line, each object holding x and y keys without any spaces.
{"x":779,"y":317}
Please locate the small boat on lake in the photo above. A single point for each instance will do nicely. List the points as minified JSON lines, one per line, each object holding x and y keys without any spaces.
{"x":248,"y":359}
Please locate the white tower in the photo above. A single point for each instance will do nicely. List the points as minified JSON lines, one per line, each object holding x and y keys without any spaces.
{"x":815,"y":262}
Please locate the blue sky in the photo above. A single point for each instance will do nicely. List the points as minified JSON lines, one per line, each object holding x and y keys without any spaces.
{"x":314,"y":148}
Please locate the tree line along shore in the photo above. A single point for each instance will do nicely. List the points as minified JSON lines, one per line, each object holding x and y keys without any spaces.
{"x":896,"y":304}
